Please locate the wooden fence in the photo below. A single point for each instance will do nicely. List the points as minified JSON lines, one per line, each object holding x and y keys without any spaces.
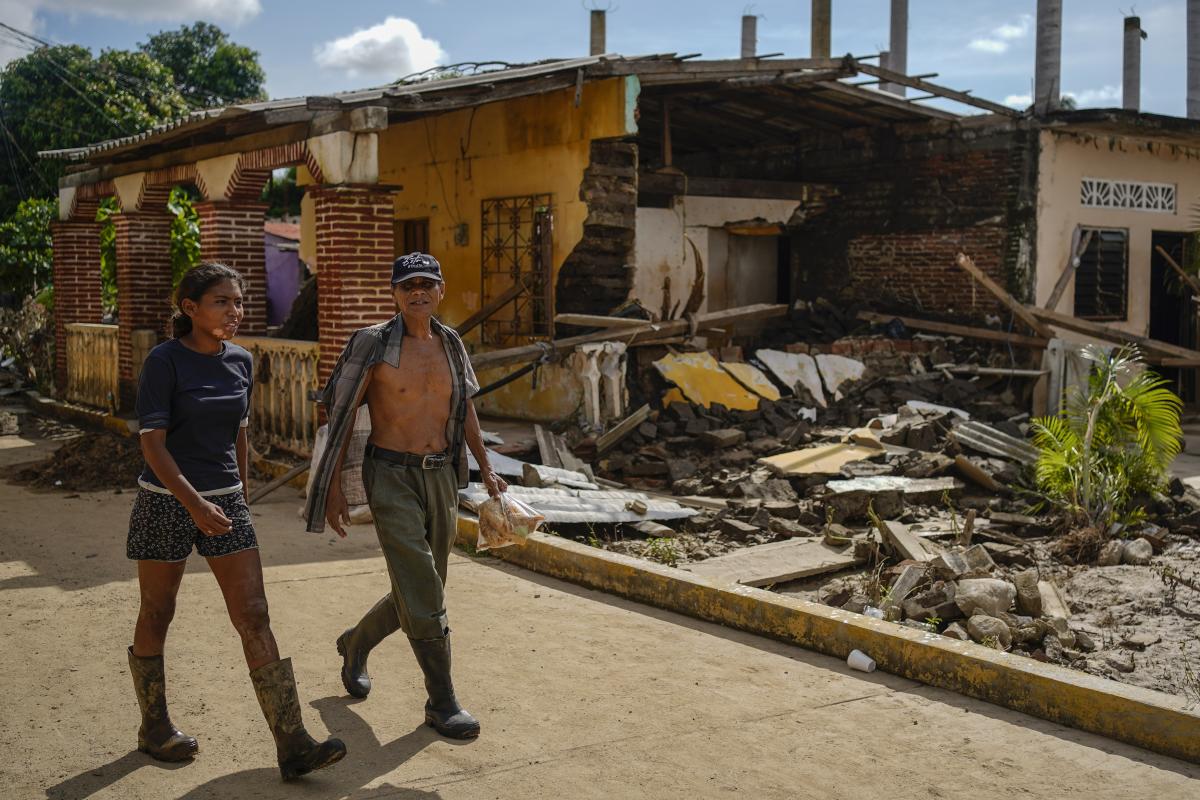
{"x":92,"y":364}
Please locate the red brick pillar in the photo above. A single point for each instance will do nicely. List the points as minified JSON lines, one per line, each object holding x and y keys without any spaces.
{"x":76,"y":249}
{"x":232,"y":233}
{"x":143,"y":287}
{"x":354,"y":264}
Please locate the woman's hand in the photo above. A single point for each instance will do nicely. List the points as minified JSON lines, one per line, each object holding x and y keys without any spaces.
{"x":210,"y":519}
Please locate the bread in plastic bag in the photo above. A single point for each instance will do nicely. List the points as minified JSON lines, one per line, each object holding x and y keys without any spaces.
{"x":505,"y":520}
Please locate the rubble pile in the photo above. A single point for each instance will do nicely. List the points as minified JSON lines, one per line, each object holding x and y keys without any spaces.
{"x":87,"y":463}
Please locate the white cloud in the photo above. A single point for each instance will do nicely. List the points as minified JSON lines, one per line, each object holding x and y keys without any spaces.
{"x":20,"y":15}
{"x":232,"y":11}
{"x":1000,"y":38}
{"x":392,"y":49}
{"x":1018,"y":100}
{"x":1094,"y":97}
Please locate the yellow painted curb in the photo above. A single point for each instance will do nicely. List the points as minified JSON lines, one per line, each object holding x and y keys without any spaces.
{"x":1141,"y":717}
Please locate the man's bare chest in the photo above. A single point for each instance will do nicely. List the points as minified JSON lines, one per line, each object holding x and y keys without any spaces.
{"x":422,"y":371}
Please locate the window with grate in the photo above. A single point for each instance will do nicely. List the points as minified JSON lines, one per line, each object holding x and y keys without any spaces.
{"x":410,"y":236}
{"x":1102,"y":278}
{"x":516,"y":239}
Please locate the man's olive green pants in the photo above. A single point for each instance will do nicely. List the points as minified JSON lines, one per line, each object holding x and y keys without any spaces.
{"x":416,"y":514}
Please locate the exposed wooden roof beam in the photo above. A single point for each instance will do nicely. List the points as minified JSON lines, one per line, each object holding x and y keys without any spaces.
{"x":941,"y":91}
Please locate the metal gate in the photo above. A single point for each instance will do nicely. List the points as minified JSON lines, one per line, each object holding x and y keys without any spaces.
{"x":517,"y":240}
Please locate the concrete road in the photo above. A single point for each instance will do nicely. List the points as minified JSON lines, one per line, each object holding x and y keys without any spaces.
{"x":580,"y":694}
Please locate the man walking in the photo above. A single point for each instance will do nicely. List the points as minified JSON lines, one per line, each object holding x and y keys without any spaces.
{"x":416,"y":378}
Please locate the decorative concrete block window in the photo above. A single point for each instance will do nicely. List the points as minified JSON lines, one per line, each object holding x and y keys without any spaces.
{"x":1128,"y":195}
{"x":1102,"y":278}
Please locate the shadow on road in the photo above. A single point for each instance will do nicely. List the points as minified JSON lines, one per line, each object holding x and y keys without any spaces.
{"x":367,"y":759}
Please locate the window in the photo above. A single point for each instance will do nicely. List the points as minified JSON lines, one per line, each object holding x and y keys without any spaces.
{"x":1131,"y":195}
{"x":517,"y":241}
{"x":1102,"y":278}
{"x":411,"y":236}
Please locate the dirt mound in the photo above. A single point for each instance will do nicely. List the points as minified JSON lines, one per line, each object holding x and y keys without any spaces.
{"x":88,"y":463}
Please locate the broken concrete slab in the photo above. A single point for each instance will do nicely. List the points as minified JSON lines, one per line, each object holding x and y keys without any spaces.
{"x":752,"y":378}
{"x":916,"y":491}
{"x":1054,"y":602}
{"x":836,"y":370}
{"x":797,"y":371}
{"x":936,"y":601}
{"x":700,"y":377}
{"x":539,"y":475}
{"x":902,"y":587}
{"x":775,"y":562}
{"x":723,"y":438}
{"x":976,"y":474}
{"x":933,"y":408}
{"x":738,"y":530}
{"x":906,"y":546}
{"x":827,"y":459}
{"x":990,"y":596}
{"x":1029,"y":597}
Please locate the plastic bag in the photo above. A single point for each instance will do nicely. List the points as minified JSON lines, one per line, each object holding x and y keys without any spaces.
{"x":505,"y":520}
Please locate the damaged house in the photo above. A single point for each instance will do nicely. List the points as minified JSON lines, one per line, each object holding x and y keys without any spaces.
{"x":682,"y":185}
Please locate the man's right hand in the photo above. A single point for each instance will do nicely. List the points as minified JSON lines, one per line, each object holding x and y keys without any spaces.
{"x":337,"y":510}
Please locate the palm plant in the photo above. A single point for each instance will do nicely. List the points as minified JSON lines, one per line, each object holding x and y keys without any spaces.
{"x":1114,"y":441}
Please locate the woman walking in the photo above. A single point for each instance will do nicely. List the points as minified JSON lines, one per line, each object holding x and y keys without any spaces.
{"x":192,"y":406}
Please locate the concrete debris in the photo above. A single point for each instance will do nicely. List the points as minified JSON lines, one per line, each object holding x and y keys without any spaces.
{"x":990,"y":596}
{"x":1137,"y":552}
{"x":777,"y":562}
{"x":986,"y":439}
{"x":796,"y":371}
{"x":989,"y":631}
{"x":703,"y":382}
{"x":838,"y":370}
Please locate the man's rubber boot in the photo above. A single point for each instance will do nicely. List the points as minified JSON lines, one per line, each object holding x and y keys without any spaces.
{"x":442,"y":711}
{"x":356,"y":644}
{"x":157,"y":737}
{"x":298,"y":752}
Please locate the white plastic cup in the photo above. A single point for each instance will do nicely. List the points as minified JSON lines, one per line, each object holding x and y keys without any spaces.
{"x":860,"y":661}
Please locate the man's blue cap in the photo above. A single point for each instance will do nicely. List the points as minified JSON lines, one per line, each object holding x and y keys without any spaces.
{"x":416,"y":265}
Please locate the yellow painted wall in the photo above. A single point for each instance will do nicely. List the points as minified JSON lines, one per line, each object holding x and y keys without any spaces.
{"x":449,"y":163}
{"x":1064,"y":161}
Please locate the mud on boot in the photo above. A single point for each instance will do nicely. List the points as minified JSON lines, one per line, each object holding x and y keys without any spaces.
{"x":157,"y":737}
{"x":442,"y":711}
{"x":297,"y":752}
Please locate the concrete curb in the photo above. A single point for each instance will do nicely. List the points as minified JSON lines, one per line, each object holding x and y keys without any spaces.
{"x":1153,"y":720}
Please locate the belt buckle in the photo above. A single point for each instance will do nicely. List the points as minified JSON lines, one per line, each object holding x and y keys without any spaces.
{"x":433,"y":461}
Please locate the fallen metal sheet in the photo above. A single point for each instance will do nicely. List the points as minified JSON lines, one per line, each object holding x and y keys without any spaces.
{"x":826,"y":459}
{"x":540,"y":475}
{"x":987,"y":439}
{"x":581,"y":505}
{"x":795,"y":370}
{"x":776,"y":562}
{"x":700,"y":377}
{"x":836,"y":370}
{"x":504,"y":465}
{"x":752,"y":378}
{"x":909,"y":487}
{"x":921,"y":405}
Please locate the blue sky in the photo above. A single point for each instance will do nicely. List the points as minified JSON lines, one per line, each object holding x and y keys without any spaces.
{"x":318,"y":46}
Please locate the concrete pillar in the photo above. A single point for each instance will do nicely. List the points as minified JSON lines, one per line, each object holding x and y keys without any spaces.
{"x":822,"y":24}
{"x":143,"y":287}
{"x":1131,"y":81}
{"x":232,"y":234}
{"x":76,"y":266}
{"x":355,"y":250}
{"x":1193,"y":59}
{"x":898,"y":45}
{"x":1047,"y":70}
{"x":749,"y":36}
{"x":885,"y":62}
{"x":598,"y":33}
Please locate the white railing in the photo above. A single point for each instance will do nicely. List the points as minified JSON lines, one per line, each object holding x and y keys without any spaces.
{"x":92,"y":364}
{"x":285,"y":371}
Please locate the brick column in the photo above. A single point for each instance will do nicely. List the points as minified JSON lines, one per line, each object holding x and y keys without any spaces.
{"x":354,"y":264}
{"x":232,"y":234}
{"x":143,"y":287}
{"x":76,"y":253}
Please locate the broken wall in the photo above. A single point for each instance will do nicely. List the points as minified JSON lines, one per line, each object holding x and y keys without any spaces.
{"x":909,"y":197}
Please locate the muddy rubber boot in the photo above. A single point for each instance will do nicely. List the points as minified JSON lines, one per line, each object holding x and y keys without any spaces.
{"x":442,"y":711}
{"x":298,"y":752}
{"x":157,"y":737}
{"x":356,"y":643}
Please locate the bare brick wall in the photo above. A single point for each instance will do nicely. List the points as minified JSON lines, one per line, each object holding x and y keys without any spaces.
{"x":354,"y":264}
{"x":143,"y":286}
{"x":596,"y":276}
{"x":76,"y":267}
{"x":909,"y":198}
{"x":232,"y":233}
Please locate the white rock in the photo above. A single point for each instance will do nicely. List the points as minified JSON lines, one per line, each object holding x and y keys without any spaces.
{"x":1137,"y":552}
{"x":983,"y":627}
{"x":990,"y":596}
{"x":1110,"y":554}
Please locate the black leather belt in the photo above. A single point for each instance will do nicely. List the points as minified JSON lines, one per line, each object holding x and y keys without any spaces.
{"x":426,"y":461}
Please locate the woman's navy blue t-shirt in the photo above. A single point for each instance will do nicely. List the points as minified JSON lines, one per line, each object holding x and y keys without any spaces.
{"x":200,"y":400}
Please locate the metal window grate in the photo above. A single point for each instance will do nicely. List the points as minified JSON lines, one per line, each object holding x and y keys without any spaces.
{"x":1102,"y":279}
{"x":516,"y":238}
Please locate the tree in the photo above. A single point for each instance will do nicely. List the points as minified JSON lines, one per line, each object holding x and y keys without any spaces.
{"x":25,"y":255}
{"x":60,"y":97}
{"x":209,"y":69}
